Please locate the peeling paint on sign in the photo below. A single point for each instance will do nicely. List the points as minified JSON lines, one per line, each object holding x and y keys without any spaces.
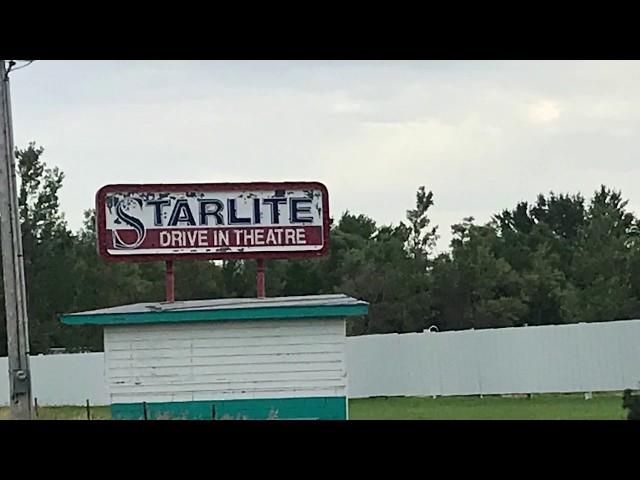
{"x":215,"y":221}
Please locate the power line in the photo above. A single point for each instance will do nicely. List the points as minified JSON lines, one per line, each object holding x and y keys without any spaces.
{"x":12,"y":63}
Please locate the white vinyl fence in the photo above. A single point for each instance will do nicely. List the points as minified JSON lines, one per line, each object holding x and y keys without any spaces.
{"x":585,"y":357}
{"x":64,"y":379}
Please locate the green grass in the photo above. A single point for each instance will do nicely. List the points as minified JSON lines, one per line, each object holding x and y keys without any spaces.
{"x":604,"y":406}
{"x":65,"y":413}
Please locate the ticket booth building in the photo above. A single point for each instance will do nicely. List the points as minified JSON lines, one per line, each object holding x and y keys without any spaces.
{"x":248,"y":358}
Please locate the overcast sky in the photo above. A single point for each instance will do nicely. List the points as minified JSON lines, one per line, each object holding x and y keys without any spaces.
{"x":481,"y":135}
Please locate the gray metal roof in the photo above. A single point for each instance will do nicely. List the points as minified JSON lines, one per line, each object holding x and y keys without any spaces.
{"x":229,"y":304}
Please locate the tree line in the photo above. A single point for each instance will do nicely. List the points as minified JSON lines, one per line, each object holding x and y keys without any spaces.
{"x":559,"y":259}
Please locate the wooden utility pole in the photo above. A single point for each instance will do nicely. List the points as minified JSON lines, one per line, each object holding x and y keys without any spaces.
{"x":15,"y":298}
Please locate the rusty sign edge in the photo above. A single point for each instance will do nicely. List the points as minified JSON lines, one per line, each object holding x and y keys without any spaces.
{"x":100,"y":198}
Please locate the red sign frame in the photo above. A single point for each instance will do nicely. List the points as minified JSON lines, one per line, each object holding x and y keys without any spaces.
{"x":208,"y":187}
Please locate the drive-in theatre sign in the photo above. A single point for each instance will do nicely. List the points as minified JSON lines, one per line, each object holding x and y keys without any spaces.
{"x":215,"y":221}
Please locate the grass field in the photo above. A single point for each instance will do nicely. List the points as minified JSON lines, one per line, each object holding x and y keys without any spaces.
{"x":605,"y":406}
{"x":539,"y":407}
{"x":65,"y":413}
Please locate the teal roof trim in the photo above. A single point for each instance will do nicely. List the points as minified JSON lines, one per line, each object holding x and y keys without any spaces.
{"x":176,"y":316}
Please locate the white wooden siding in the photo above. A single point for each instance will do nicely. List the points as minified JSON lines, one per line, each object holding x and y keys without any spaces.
{"x":225,"y":360}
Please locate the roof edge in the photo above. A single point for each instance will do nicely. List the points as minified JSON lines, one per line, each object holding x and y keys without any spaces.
{"x":261,"y":313}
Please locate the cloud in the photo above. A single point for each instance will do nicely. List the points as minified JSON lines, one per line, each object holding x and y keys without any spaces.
{"x":544,"y":111}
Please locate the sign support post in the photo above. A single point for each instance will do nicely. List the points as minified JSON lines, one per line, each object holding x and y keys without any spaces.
{"x":260,"y":287}
{"x":169,"y":284}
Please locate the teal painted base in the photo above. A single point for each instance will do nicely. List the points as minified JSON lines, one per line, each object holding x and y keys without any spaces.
{"x":314,"y":408}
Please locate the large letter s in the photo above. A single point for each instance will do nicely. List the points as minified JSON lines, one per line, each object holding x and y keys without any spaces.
{"x":131,"y":221}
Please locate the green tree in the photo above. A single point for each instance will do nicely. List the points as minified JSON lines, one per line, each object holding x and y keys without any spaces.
{"x":422,"y":239}
{"x":388,"y":266}
{"x":600,"y":273}
{"x":539,"y":242}
{"x":488,"y":290}
{"x":47,"y":247}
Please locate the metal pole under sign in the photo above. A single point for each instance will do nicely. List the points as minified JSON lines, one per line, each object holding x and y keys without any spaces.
{"x":169,"y":282}
{"x":260,"y":287}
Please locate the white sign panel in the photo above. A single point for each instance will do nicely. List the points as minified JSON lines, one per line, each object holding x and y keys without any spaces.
{"x":251,"y":220}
